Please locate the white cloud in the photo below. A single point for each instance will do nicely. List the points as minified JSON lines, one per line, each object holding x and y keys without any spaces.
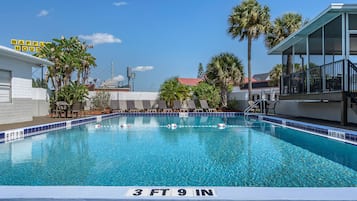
{"x":43,"y":13}
{"x":120,"y":3}
{"x":113,"y":82}
{"x":118,"y":78}
{"x":100,"y":38}
{"x":143,"y":68}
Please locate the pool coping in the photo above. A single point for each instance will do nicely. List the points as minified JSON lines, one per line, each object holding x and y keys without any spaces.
{"x":339,"y":134}
{"x":21,"y":133}
{"x":220,"y":193}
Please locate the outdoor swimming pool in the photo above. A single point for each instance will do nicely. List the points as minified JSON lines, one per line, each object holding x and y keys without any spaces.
{"x":196,"y":153}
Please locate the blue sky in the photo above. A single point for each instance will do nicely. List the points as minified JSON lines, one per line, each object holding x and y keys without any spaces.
{"x":164,"y":38}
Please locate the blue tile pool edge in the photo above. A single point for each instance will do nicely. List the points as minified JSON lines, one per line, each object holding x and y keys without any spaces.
{"x":220,"y":193}
{"x":349,"y":136}
{"x":21,"y":133}
{"x":39,"y":129}
{"x":340,"y":134}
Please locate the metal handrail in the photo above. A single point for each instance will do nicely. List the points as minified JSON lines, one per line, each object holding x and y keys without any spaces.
{"x":255,"y":105}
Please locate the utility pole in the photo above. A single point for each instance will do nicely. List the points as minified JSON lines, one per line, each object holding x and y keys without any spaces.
{"x":112,"y":70}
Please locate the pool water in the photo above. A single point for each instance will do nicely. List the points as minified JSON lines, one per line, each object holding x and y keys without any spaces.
{"x":196,"y":153}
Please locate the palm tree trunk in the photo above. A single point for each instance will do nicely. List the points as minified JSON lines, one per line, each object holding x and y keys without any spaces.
{"x":249,"y":68}
{"x":224,"y":96}
{"x":78,"y":76}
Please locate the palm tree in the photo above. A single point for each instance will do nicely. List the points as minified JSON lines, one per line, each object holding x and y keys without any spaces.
{"x":172,"y":90}
{"x":224,"y":71}
{"x":275,"y":74}
{"x":281,"y":28}
{"x":248,"y":21}
{"x":68,"y":56}
{"x":86,"y":61}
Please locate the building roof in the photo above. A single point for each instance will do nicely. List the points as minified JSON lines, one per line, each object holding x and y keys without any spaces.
{"x":189,"y":81}
{"x":245,"y":80}
{"x":261,"y":77}
{"x":8,"y":52}
{"x":334,"y":10}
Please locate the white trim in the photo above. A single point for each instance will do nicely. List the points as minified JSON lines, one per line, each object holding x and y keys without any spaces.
{"x":333,"y":11}
{"x":222,"y":193}
{"x":5,"y":51}
{"x":307,"y":65}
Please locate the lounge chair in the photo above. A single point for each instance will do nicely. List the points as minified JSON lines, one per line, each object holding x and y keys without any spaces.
{"x":76,"y":109}
{"x":131,"y":106}
{"x":147,"y":106}
{"x":270,"y":106}
{"x":114,"y":105}
{"x":178,"y":107}
{"x":122,"y":106}
{"x":192,"y":106}
{"x":205,"y":107}
{"x":139,"y":105}
{"x":163,"y":107}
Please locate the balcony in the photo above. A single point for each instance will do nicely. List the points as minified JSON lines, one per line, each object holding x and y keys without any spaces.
{"x":320,"y":83}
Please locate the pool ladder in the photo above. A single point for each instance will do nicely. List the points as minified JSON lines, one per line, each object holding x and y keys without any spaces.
{"x":254,"y":107}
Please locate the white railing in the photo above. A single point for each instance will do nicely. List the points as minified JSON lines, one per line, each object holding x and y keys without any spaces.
{"x":255,"y":106}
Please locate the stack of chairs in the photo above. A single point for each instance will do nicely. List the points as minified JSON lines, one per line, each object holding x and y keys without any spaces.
{"x":192,"y":106}
{"x":163,"y":107}
{"x":205,"y":107}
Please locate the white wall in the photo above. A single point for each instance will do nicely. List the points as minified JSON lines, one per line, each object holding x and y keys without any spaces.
{"x":40,"y":94}
{"x":21,"y":72}
{"x":241,"y":96}
{"x":130,"y":95}
{"x":330,"y":111}
{"x":20,"y":108}
{"x":40,"y":102}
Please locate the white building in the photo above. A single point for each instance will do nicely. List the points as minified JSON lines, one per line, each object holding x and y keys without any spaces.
{"x":326,"y":50}
{"x":18,"y":100}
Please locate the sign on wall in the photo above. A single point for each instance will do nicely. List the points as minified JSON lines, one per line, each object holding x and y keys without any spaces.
{"x":27,"y":45}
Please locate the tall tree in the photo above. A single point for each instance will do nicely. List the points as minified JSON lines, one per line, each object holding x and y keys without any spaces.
{"x":224,"y":70}
{"x":280,"y":29}
{"x":69,"y":56}
{"x":201,"y":72}
{"x":248,"y":21}
{"x":275,"y":74}
{"x":86,"y":61}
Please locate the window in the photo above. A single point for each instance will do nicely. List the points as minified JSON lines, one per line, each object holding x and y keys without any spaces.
{"x":5,"y":86}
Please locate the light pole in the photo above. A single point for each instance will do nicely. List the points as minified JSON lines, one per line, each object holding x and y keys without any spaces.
{"x":131,"y":76}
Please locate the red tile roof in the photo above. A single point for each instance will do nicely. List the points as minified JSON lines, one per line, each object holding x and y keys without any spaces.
{"x":189,"y":81}
{"x":245,"y":80}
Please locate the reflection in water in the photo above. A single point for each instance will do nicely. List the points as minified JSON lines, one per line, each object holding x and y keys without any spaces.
{"x":331,"y":149}
{"x":197,"y":153}
{"x":35,"y":162}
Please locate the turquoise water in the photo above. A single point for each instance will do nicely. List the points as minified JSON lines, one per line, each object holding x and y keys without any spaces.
{"x":196,"y":153}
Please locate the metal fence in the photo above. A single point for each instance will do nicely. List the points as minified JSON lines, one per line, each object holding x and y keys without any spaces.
{"x":328,"y":77}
